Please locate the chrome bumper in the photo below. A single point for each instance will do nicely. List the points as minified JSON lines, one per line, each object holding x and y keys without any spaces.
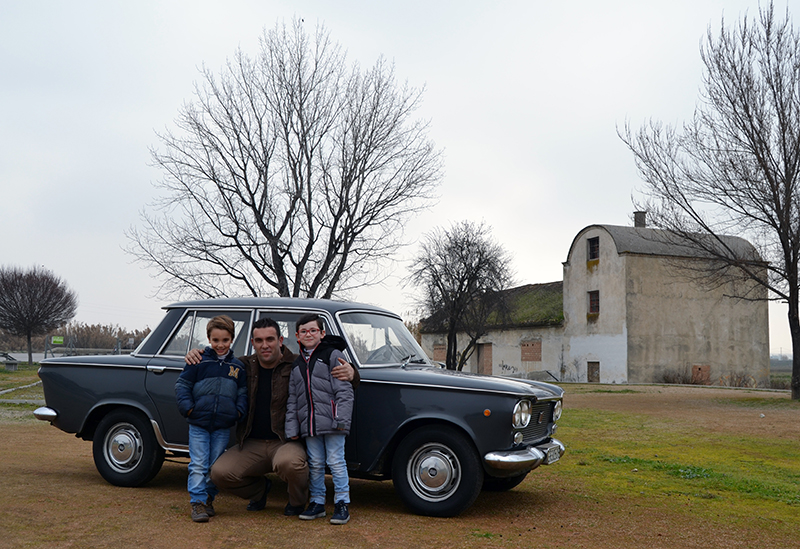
{"x":511,"y":461}
{"x":45,"y":414}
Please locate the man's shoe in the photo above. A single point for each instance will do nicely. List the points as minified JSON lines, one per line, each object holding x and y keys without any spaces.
{"x":292,"y":510}
{"x":260,"y":503}
{"x":210,"y":507}
{"x":314,"y":510}
{"x":340,"y":513}
{"x":199,"y":512}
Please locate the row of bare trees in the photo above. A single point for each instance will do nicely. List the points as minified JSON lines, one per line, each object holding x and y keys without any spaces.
{"x":81,"y":335}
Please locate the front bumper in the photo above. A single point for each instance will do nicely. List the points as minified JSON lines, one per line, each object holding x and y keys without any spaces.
{"x":510,"y":462}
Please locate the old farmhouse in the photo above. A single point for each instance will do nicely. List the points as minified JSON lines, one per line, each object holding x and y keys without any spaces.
{"x":629,"y":313}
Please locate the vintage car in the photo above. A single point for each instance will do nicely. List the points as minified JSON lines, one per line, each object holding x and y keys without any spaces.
{"x":440,"y":435}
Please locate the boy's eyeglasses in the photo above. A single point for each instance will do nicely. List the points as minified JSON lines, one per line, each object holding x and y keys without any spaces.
{"x":312,"y":331}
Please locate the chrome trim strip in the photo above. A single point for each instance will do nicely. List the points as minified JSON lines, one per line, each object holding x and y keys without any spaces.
{"x":473,"y":389}
{"x":162,"y":442}
{"x":96,"y":364}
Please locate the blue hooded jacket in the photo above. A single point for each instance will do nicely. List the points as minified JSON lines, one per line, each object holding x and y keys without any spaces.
{"x":215,"y":390}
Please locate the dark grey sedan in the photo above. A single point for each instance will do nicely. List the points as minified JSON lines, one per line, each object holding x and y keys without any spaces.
{"x":440,"y":435}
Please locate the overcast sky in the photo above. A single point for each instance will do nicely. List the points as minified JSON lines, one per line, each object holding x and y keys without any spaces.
{"x":524,"y":97}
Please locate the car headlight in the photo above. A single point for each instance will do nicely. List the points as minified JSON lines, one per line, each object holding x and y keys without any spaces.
{"x":522,"y":414}
{"x":557,"y":411}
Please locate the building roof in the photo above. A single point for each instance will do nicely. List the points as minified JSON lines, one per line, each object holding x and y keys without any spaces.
{"x":658,"y":242}
{"x":531,"y":305}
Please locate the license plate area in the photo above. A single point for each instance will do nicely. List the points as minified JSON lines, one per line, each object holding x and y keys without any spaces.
{"x":552,"y":455}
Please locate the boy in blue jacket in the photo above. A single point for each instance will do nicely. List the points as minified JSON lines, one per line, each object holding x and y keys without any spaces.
{"x":212,"y":396}
{"x":319,"y":409}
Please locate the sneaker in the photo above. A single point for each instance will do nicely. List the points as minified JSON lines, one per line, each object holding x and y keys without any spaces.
{"x":260,"y":503}
{"x":199,"y":512}
{"x":292,"y":510}
{"x":340,"y":513}
{"x":210,"y":507}
{"x":314,"y":510}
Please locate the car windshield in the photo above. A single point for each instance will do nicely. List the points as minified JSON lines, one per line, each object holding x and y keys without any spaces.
{"x":380,"y":340}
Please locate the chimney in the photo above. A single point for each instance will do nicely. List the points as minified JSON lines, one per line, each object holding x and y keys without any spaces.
{"x":640,"y":219}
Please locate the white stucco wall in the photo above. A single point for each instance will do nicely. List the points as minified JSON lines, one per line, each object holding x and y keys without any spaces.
{"x":506,"y":351}
{"x":675,"y":324}
{"x":609,"y":350}
{"x":602,"y":338}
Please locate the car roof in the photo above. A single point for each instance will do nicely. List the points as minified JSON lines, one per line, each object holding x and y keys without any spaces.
{"x":330,"y":305}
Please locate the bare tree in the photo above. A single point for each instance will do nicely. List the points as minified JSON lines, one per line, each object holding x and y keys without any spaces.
{"x":34,"y":302}
{"x":462,"y":273}
{"x":733,"y":169}
{"x":293,"y":173}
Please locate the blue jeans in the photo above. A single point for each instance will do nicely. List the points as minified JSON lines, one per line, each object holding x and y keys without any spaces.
{"x":330,"y":448}
{"x":204,"y":449}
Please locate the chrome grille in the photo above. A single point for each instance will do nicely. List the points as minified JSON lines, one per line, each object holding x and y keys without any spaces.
{"x":541,"y":418}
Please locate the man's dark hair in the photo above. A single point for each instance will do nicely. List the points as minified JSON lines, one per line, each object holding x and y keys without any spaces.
{"x":310,"y":317}
{"x":266,"y":322}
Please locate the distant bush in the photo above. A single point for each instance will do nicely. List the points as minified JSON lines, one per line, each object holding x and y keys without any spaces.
{"x":780,"y":381}
{"x":676,"y":377}
{"x":738,"y":379}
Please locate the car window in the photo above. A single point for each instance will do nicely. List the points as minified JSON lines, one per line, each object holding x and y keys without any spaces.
{"x":191,"y":333}
{"x":287,"y":320}
{"x":380,"y":340}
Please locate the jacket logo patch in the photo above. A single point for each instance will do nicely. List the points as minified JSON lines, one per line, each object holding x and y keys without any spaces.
{"x":234,"y":372}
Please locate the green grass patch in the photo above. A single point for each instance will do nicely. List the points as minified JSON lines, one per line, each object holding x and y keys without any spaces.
{"x":18,"y":407}
{"x":613,"y":391}
{"x":683,"y":467}
{"x":756,"y":402}
{"x":24,"y":375}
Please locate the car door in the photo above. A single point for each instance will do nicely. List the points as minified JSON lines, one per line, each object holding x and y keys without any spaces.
{"x":164,"y":368}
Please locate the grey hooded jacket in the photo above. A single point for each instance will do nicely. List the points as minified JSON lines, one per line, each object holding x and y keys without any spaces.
{"x":319,"y":404}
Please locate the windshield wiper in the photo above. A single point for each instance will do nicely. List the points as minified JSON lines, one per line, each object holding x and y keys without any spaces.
{"x":412,"y":359}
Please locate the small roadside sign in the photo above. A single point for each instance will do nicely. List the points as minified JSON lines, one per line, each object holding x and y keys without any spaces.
{"x":57,"y":340}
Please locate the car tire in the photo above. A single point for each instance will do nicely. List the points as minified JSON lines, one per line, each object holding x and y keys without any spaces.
{"x":437,"y":471}
{"x":495,"y":484}
{"x":125,"y":449}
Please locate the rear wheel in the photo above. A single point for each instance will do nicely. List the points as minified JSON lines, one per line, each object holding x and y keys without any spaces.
{"x":437,"y":472}
{"x":125,"y":449}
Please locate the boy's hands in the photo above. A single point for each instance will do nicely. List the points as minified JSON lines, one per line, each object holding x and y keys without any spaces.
{"x":194,"y":356}
{"x":343,"y":372}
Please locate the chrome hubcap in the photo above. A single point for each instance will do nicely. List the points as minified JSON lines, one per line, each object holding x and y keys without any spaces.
{"x":123,"y":447}
{"x":434,"y":472}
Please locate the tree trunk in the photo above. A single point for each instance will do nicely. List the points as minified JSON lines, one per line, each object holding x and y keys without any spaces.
{"x":794,"y":330}
{"x":30,"y":349}
{"x":452,"y":349}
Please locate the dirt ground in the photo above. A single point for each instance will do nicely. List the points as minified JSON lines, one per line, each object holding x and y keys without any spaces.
{"x":52,"y":496}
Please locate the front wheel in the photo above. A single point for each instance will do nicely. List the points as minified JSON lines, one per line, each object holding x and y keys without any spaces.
{"x":437,"y":472}
{"x":125,"y":449}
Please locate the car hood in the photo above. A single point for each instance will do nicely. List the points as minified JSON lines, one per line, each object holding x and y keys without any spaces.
{"x":440,"y":377}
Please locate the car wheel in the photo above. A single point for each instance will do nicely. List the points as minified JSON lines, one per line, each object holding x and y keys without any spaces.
{"x":437,"y":472}
{"x":125,"y":449}
{"x":495,"y":484}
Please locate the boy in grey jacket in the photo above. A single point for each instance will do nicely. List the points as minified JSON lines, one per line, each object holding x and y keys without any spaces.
{"x":319,"y":409}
